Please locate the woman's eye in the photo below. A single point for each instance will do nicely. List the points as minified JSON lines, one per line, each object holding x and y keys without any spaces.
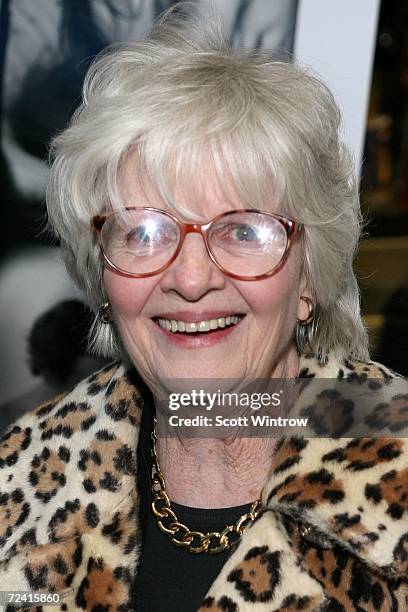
{"x":148,"y":236}
{"x":237,"y":233}
{"x":141,"y":235}
{"x":244,"y":233}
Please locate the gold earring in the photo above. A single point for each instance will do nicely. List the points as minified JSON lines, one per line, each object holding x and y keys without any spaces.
{"x":105,"y":314}
{"x":310,"y":306}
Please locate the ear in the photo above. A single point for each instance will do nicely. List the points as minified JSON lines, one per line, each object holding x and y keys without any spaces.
{"x":303,"y":307}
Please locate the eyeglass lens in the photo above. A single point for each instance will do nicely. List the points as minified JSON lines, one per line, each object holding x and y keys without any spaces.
{"x":243,"y":243}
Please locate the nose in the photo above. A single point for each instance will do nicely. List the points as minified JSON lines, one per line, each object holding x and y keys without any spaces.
{"x":193,"y":273}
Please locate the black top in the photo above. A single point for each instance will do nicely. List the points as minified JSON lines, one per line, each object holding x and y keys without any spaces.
{"x":171,"y":579}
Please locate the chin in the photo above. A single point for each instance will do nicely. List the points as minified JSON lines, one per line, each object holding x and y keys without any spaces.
{"x":199,"y":369}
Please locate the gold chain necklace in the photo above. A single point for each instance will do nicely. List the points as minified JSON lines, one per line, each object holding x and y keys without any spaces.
{"x":193,"y":541}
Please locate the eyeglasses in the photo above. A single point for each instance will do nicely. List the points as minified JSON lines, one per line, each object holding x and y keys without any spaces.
{"x":245,"y":244}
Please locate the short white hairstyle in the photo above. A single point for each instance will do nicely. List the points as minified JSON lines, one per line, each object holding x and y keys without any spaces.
{"x":182,"y":98}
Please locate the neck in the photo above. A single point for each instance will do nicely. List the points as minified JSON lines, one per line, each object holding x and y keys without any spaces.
{"x":219,"y":473}
{"x":215,"y":473}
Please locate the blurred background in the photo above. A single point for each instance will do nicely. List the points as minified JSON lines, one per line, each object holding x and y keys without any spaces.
{"x":46,"y":47}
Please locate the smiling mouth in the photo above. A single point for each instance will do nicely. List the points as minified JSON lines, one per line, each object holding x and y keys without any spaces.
{"x":198,"y":327}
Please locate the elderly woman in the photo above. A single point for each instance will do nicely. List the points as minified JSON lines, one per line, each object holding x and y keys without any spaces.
{"x":209,"y":212}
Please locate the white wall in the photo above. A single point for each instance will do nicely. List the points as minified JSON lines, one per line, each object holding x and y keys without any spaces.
{"x":337,"y":39}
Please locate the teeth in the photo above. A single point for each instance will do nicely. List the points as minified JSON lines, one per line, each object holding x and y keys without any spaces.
{"x":198,"y":326}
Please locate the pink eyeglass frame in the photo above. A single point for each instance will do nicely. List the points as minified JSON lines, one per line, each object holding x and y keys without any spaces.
{"x":291,"y":227}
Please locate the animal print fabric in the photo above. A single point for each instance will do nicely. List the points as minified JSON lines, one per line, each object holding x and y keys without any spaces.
{"x":332,"y":533}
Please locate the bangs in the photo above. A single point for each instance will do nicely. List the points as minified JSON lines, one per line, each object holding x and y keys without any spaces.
{"x":185,"y":175}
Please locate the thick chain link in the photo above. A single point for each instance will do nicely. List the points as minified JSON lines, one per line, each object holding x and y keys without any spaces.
{"x":212,"y":542}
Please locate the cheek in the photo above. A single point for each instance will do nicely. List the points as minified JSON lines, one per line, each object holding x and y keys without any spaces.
{"x":127,"y":296}
{"x":276,"y":297}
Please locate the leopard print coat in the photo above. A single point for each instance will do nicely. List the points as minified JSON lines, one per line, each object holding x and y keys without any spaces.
{"x":332,"y":533}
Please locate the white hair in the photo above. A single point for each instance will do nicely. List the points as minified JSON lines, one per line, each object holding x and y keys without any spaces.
{"x":183,"y":98}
